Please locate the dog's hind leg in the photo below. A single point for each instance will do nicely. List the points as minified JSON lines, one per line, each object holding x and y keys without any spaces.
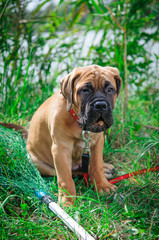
{"x":109,"y":170}
{"x":44,"y":168}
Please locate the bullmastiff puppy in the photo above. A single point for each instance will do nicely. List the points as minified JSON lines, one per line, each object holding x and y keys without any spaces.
{"x":55,"y":137}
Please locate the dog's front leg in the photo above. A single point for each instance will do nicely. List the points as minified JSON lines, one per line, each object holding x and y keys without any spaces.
{"x":62,"y":158}
{"x":96,"y":170}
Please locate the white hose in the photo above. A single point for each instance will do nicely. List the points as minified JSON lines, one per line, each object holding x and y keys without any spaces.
{"x":70,"y":222}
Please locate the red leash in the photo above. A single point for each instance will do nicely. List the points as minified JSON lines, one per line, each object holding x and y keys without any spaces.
{"x":125,"y":176}
{"x":128,"y":175}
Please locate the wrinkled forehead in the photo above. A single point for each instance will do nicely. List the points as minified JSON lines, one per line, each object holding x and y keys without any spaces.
{"x":97,"y":76}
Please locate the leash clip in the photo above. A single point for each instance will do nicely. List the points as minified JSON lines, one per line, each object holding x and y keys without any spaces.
{"x":86,"y":138}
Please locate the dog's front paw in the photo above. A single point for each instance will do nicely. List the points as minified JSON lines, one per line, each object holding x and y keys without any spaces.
{"x":65,"y":198}
{"x":109,"y":170}
{"x":105,"y":187}
{"x":66,"y":201}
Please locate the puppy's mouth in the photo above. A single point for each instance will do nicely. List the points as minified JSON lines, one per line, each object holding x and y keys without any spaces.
{"x":98,"y":126}
{"x":99,"y":122}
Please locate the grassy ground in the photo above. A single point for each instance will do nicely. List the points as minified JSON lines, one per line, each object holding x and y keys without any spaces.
{"x":131,"y":213}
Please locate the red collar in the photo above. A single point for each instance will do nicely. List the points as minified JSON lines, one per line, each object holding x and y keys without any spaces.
{"x":74,"y":115}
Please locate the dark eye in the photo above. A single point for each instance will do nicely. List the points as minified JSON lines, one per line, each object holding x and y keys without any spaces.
{"x":83,"y":91}
{"x":110,"y":90}
{"x":86,"y":90}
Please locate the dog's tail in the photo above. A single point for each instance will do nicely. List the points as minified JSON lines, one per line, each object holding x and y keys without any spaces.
{"x":16,"y":127}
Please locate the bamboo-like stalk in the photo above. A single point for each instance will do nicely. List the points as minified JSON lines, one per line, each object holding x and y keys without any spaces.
{"x":125,"y":70}
{"x":125,"y":59}
{"x":3,"y":10}
{"x":115,"y":19}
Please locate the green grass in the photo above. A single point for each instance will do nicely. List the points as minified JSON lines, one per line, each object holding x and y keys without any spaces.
{"x":131,"y":213}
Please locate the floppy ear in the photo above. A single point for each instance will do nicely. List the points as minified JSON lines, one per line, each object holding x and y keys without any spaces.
{"x":118,"y":80}
{"x":67,"y":86}
{"x":118,"y":83}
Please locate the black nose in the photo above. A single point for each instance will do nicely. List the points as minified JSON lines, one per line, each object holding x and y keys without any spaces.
{"x":100,"y":106}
